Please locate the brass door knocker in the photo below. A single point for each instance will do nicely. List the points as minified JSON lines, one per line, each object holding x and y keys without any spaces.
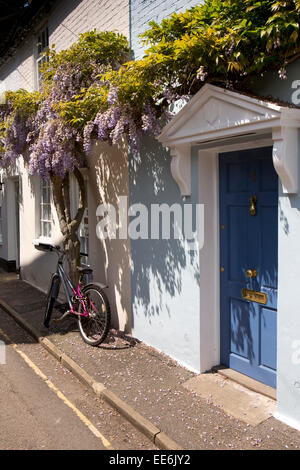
{"x":252,"y":208}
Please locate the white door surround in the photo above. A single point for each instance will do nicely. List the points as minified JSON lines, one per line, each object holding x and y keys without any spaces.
{"x":216,"y":118}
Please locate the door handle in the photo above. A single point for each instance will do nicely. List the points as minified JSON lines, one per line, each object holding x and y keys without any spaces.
{"x":252,"y":208}
{"x":251,"y":273}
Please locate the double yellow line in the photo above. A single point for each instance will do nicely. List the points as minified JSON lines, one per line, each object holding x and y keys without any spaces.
{"x":59,"y":394}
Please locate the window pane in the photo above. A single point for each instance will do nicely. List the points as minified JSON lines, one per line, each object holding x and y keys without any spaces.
{"x":46,"y":212}
{"x":48,"y":229}
{"x":48,"y":194}
{"x":45,"y":209}
{"x":39,"y":44}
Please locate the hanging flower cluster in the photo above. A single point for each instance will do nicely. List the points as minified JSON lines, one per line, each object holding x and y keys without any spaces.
{"x":123,"y":102}
{"x":32,"y":122}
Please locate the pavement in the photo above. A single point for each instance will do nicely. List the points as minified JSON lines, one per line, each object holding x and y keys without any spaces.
{"x":152,"y":391}
{"x":43,"y":406}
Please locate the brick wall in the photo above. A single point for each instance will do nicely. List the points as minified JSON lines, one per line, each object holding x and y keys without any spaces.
{"x":143,"y":11}
{"x":65,"y":23}
{"x":19,"y":70}
{"x":74,"y":17}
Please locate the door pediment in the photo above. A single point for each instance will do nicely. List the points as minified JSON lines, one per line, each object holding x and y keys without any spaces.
{"x":216,"y":113}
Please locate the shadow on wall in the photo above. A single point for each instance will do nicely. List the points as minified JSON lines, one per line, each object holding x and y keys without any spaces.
{"x":110,"y":258}
{"x":107,"y":180}
{"x":158,"y":266}
{"x":145,"y":274}
{"x":17,"y":71}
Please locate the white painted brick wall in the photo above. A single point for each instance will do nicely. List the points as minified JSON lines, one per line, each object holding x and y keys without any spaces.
{"x":72,"y":17}
{"x":65,"y":23}
{"x":144,"y":11}
{"x":18,"y":71}
{"x":75,"y":17}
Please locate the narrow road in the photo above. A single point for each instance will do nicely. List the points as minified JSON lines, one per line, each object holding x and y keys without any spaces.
{"x":43,"y":406}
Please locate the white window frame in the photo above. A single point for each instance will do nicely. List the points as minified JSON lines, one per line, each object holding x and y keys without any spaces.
{"x":45,"y":185}
{"x":40,"y":52}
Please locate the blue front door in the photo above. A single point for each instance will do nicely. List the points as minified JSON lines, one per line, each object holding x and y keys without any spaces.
{"x":248,"y":262}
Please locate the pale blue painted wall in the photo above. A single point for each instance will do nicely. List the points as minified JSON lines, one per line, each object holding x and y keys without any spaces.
{"x":165,"y":275}
{"x":271,"y":85}
{"x":288,"y":367}
{"x":143,"y":11}
{"x":288,"y":352}
{"x":164,"y":278}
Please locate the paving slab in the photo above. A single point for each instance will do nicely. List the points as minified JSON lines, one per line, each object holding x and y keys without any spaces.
{"x":240,"y":402}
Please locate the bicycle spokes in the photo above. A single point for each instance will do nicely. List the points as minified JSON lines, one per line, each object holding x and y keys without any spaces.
{"x":94,"y":325}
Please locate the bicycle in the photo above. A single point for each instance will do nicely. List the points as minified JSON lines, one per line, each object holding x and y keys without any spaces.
{"x":88,"y":302}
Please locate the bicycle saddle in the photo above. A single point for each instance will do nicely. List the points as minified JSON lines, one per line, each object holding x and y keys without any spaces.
{"x":84,"y":270}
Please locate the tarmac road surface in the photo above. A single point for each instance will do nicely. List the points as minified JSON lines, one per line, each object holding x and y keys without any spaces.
{"x":43,"y":406}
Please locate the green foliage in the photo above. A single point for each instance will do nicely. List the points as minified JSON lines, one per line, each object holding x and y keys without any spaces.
{"x":47,"y":121}
{"x":229,"y":40}
{"x":106,"y":49}
{"x":23,"y":102}
{"x":225,"y":42}
{"x":84,"y":106}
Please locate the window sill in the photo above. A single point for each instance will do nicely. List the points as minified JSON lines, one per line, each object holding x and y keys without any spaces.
{"x":37,"y":241}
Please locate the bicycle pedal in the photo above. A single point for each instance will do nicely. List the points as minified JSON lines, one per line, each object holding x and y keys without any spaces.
{"x":57,"y":320}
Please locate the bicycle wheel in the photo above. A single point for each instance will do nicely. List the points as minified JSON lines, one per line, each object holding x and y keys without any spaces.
{"x":48,"y":309}
{"x":51,"y":297}
{"x":95,"y":326}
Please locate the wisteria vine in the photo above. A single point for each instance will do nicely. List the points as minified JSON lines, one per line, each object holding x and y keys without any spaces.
{"x":31,"y":123}
{"x":92,"y":90}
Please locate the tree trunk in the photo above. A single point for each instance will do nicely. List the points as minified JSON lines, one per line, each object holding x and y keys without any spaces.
{"x":72,"y":249}
{"x":68,"y":226}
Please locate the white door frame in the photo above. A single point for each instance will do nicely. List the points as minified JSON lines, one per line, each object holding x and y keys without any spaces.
{"x":209,"y":255}
{"x":12,"y":254}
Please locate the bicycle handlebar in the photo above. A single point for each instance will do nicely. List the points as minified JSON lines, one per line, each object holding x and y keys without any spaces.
{"x":47,"y":247}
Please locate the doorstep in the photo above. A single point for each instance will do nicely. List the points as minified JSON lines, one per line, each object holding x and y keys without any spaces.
{"x":246,"y":381}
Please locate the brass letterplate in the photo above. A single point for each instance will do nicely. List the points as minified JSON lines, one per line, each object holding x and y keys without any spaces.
{"x":254,"y":296}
